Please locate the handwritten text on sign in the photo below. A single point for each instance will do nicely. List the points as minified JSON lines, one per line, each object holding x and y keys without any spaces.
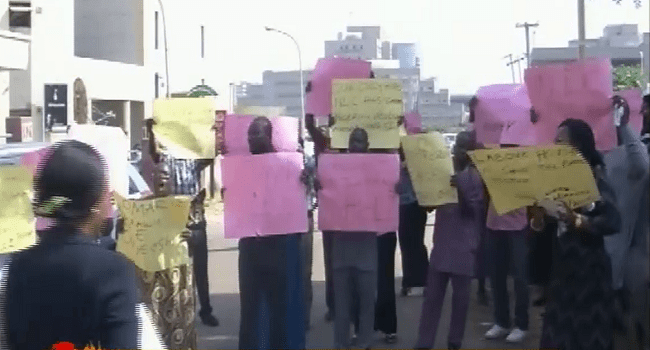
{"x":152,"y":232}
{"x":358,"y":192}
{"x":372,"y":104}
{"x":16,"y":216}
{"x":264,"y":195}
{"x":430,"y":167}
{"x":517,"y":177}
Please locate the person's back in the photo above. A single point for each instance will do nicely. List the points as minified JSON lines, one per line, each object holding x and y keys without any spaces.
{"x":69,"y":289}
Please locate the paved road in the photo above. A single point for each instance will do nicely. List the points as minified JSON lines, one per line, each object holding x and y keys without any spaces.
{"x":225,"y":301}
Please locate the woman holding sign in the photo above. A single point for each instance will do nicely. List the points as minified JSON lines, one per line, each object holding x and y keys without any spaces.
{"x":580,"y":313}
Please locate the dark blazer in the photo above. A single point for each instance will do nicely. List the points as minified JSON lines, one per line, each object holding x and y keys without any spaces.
{"x":69,"y":289}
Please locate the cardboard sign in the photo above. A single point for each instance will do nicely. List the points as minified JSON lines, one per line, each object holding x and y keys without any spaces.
{"x":284,"y":138}
{"x":152,"y":232}
{"x":16,"y":215}
{"x":517,"y":177}
{"x":578,"y":90}
{"x":372,"y":104}
{"x":503,"y":115}
{"x":184,"y":126}
{"x":413,"y":123}
{"x":264,"y":195}
{"x":358,"y":192}
{"x":430,"y":167}
{"x":319,"y":99}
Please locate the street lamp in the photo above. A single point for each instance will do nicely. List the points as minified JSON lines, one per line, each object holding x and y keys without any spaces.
{"x":302,"y":84}
{"x":162,"y":11}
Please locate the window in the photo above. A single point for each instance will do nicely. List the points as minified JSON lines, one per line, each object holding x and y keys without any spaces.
{"x":156,"y":29}
{"x":20,"y":14}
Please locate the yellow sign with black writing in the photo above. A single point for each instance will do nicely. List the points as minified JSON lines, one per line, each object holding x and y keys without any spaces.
{"x":372,"y":104}
{"x":429,"y":164}
{"x":517,"y":177}
{"x":152,"y":232}
{"x":16,"y":216}
{"x":184,"y":126}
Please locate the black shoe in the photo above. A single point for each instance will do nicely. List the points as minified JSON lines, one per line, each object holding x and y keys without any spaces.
{"x":453,"y":346}
{"x":405,"y":291}
{"x":390,"y":338}
{"x":329,"y":316}
{"x":209,"y":320}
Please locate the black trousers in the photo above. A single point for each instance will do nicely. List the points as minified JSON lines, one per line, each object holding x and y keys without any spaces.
{"x":385,"y":308}
{"x":329,"y":279}
{"x":415,"y":260}
{"x":200,"y":259}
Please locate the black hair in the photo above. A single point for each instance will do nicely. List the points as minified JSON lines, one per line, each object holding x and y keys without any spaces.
{"x":646,"y":99}
{"x":361,"y":130}
{"x":265,"y":124}
{"x":582,"y":138}
{"x":75,"y":173}
{"x":468,"y":140}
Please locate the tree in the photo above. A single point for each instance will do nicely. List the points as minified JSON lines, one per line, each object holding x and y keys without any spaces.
{"x":637,"y":3}
{"x":626,"y":77}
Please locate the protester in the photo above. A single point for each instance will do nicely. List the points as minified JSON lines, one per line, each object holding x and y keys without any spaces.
{"x":270,"y":277}
{"x":628,"y":249}
{"x":412,"y":224}
{"x":456,"y":240}
{"x":67,"y":287}
{"x":645,"y":111}
{"x":580,"y":310}
{"x":508,"y":247}
{"x":183,"y":177}
{"x":354,"y":263}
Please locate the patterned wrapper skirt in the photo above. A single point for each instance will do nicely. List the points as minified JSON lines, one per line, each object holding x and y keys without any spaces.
{"x":170,"y":296}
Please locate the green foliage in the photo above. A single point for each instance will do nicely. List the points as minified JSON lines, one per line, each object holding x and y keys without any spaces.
{"x":629,"y":77}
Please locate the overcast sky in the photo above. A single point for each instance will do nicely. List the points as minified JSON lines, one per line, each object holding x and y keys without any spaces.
{"x":462,"y":42}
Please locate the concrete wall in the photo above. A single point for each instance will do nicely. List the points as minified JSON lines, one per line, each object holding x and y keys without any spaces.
{"x":109,"y":30}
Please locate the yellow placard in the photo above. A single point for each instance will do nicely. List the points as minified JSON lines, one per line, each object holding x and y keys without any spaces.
{"x":184,"y":126}
{"x":430,"y":167}
{"x":375,"y":105}
{"x":152,"y":232}
{"x":517,"y":177}
{"x":261,"y":111}
{"x":17,"y":229}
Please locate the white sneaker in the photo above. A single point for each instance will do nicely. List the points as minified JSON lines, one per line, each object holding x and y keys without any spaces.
{"x":496,"y":332}
{"x":516,"y":336}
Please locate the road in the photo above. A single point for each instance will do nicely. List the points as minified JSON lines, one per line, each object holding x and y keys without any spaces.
{"x":225,"y":301}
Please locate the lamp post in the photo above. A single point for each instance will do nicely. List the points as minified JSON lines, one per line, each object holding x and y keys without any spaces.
{"x":302,"y":84}
{"x":162,"y":11}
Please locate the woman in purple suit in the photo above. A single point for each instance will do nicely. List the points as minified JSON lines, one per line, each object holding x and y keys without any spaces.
{"x":456,"y":241}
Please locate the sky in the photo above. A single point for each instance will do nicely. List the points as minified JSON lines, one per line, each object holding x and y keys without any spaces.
{"x":461,"y":42}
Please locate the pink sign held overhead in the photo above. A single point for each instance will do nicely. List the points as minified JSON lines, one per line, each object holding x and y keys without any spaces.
{"x":634,"y":100}
{"x":358,"y":192}
{"x":264,"y":195}
{"x":413,"y":123}
{"x":285,"y":133}
{"x":319,"y":98}
{"x":578,"y":90}
{"x":503,"y":116}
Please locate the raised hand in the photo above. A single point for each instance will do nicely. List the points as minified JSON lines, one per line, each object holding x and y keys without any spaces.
{"x":621,"y":111}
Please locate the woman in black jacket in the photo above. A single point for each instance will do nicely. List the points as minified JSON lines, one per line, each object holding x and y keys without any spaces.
{"x":580,"y":313}
{"x":67,"y":288}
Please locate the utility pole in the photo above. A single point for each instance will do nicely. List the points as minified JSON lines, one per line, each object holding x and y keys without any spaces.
{"x":511,"y":63}
{"x":519,"y":66}
{"x":527,"y":27}
{"x":581,"y":29}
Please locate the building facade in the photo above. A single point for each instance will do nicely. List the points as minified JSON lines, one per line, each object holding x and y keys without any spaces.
{"x":436,"y":107}
{"x":622,"y":43}
{"x":108,"y":56}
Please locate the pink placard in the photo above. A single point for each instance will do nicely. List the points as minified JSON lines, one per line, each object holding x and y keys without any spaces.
{"x":634,"y":100}
{"x":579,"y":90}
{"x":285,"y":133}
{"x":413,"y":122}
{"x":503,"y":116}
{"x":264,"y":195}
{"x":358,"y":192}
{"x":319,"y":99}
{"x":31,"y":161}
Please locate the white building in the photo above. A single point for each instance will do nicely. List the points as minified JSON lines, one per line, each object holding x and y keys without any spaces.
{"x":115,"y":47}
{"x":398,"y":61}
{"x":622,"y":43}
